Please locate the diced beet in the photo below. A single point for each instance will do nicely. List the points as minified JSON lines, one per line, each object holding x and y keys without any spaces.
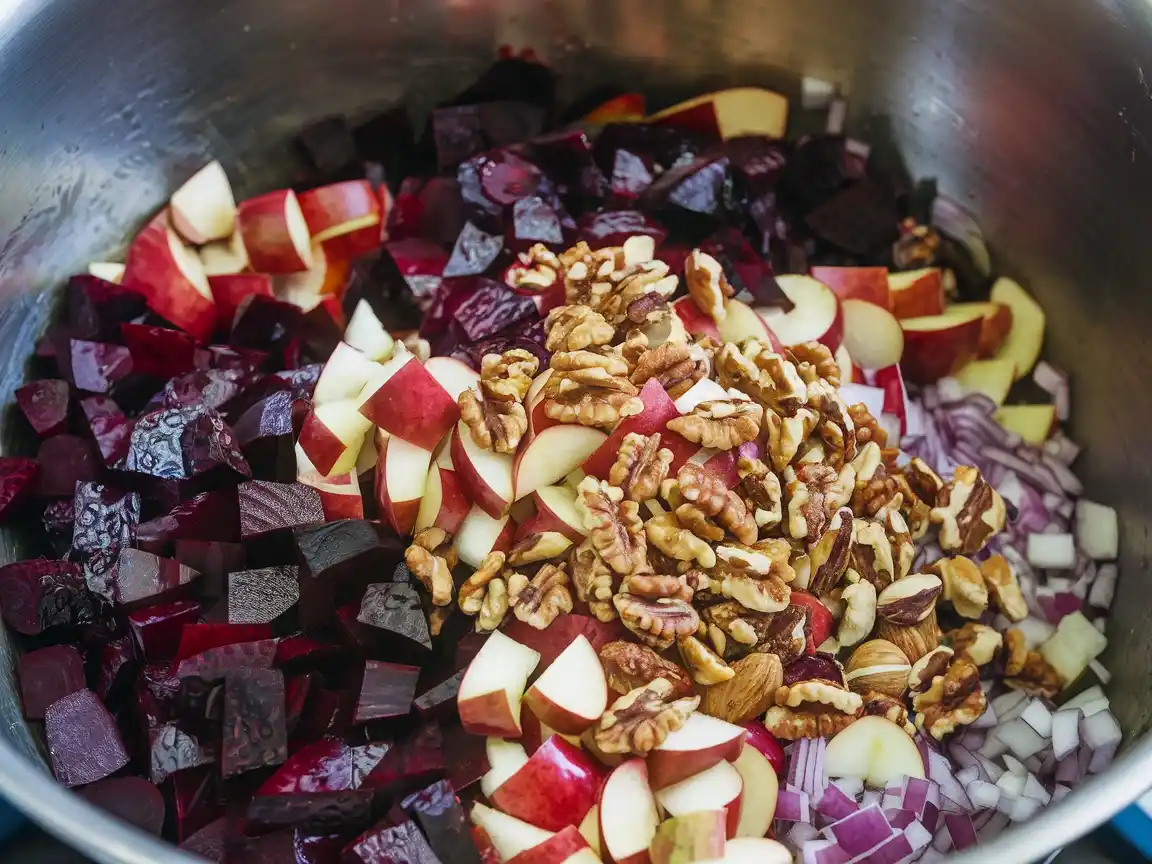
{"x":95,"y":366}
{"x":232,"y":290}
{"x":296,"y":691}
{"x":117,"y":668}
{"x":96,"y":307}
{"x":106,"y":522}
{"x":386,"y":691}
{"x":19,"y":477}
{"x":421,"y":263}
{"x":198,"y":638}
{"x":214,"y":560}
{"x":457,"y":134}
{"x":210,"y":841}
{"x":696,"y":186}
{"x":267,"y":507}
{"x":110,"y":427}
{"x":391,"y":844}
{"x":265,"y":323}
{"x":262,"y":596}
{"x":505,"y":177}
{"x":157,"y":629}
{"x":198,"y":707}
{"x":861,"y":219}
{"x":65,"y":460}
{"x":465,"y":757}
{"x":492,"y":308}
{"x":567,"y":159}
{"x":182,"y":443}
{"x":534,"y":221}
{"x":328,"y":712}
{"x":48,"y":674}
{"x":474,"y":253}
{"x":214,"y":663}
{"x":442,"y":212}
{"x":394,"y":615}
{"x":221,"y":389}
{"x":441,"y":312}
{"x":301,"y":651}
{"x":195,"y":804}
{"x":404,"y":221}
{"x":411,"y":764}
{"x":45,"y":404}
{"x":757,"y":163}
{"x":144,"y":577}
{"x":171,"y":750}
{"x":254,"y":729}
{"x":744,"y":269}
{"x":269,"y":849}
{"x":57,"y":521}
{"x":213,"y":515}
{"x":443,"y":822}
{"x":388,"y":138}
{"x":318,"y":849}
{"x":439,"y":700}
{"x":613,"y":227}
{"x":509,"y":121}
{"x":631,"y":175}
{"x":662,"y":146}
{"x":132,"y":799}
{"x":83,"y":741}
{"x":266,"y":434}
{"x":348,"y":552}
{"x":42,"y":593}
{"x":388,"y":292}
{"x":158,"y":351}
{"x":329,"y":145}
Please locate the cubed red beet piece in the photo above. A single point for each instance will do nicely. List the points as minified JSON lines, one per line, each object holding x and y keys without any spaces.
{"x":231,"y":290}
{"x":97,"y":307}
{"x":262,"y":596}
{"x":267,"y":435}
{"x":492,"y":308}
{"x":744,"y":269}
{"x":266,"y":324}
{"x":106,"y":522}
{"x":198,"y":638}
{"x":631,"y":175}
{"x":474,"y":253}
{"x":211,"y":840}
{"x":96,"y":367}
{"x":421,"y":263}
{"x":19,"y":477}
{"x":213,"y":515}
{"x":442,"y":819}
{"x":506,"y":178}
{"x":117,"y":668}
{"x":45,"y":405}
{"x":214,"y":559}
{"x":110,"y":427}
{"x":328,"y":712}
{"x":254,"y":727}
{"x":318,"y":848}
{"x":143,"y":577}
{"x":386,"y":690}
{"x":861,"y":219}
{"x":157,"y":629}
{"x":439,"y":700}
{"x":297,"y":688}
{"x":411,"y":764}
{"x":465,"y":757}
{"x":194,"y":802}
{"x":329,"y":145}
{"x":171,"y":750}
{"x":57,"y":521}
{"x":301,"y":652}
{"x":395,"y":609}
{"x":566,"y":158}
{"x":213,"y":663}
{"x":42,"y":593}
{"x":49,"y":674}
{"x":391,"y":844}
{"x":266,"y":507}
{"x":219,"y":389}
{"x":347,"y":553}
{"x":457,"y":133}
{"x":83,"y":741}
{"x":132,"y":799}
{"x":65,"y":460}
{"x":181,"y":443}
{"x":613,"y":227}
{"x":158,"y":351}
{"x":534,"y":221}
{"x":301,"y":383}
{"x":198,"y":707}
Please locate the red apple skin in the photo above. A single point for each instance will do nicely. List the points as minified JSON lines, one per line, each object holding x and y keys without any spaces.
{"x":401,"y":515}
{"x":554,"y":789}
{"x":765,"y":742}
{"x":150,"y":269}
{"x":355,"y":244}
{"x":994,"y":330}
{"x":658,"y":410}
{"x":856,"y":283}
{"x":337,"y":506}
{"x":538,"y":421}
{"x":930,"y":355}
{"x":821,"y":625}
{"x":413,"y":405}
{"x":473,"y":485}
{"x":320,"y":444}
{"x":555,"y":850}
{"x":924,"y":296}
{"x":327,"y":208}
{"x":641,"y":856}
{"x":552,"y":641}
{"x":489,"y":714}
{"x":666,"y":767}
{"x":230,"y":290}
{"x":454,"y":504}
{"x":545,"y":520}
{"x":627,"y":107}
{"x":694,"y":319}
{"x":483,"y":844}
{"x":263,"y":225}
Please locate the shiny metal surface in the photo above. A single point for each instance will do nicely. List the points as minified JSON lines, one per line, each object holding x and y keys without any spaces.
{"x":1036,"y":114}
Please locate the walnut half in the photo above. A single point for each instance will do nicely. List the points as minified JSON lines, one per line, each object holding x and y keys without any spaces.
{"x":537,"y":601}
{"x":639,"y":721}
{"x":430,"y":559}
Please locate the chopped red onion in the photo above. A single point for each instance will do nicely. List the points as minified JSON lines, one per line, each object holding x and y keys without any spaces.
{"x":1097,"y":530}
{"x":801,"y":833}
{"x":1099,"y":671}
{"x":824,"y":852}
{"x":985,"y":721}
{"x":940,"y":771}
{"x":870,"y":798}
{"x":984,"y":795}
{"x":1009,"y":705}
{"x":899,"y":819}
{"x":895,"y":849}
{"x":1062,"y":448}
{"x":993,"y":770}
{"x":966,"y":775}
{"x":1059,"y":791}
{"x":1038,"y":717}
{"x":814,"y":779}
{"x":837,"y":112}
{"x":1063,"y":400}
{"x":835,"y":804}
{"x":1068,"y":769}
{"x":797,"y":757}
{"x":962,"y":756}
{"x":1102,"y":734}
{"x":960,"y":830}
{"x":850,"y":786}
{"x":952,"y":219}
{"x":792,"y":806}
{"x":1104,"y":586}
{"x":996,"y":823}
{"x":1033,"y":789}
{"x":1023,"y":808}
{"x":1048,"y":378}
{"x":861,"y":831}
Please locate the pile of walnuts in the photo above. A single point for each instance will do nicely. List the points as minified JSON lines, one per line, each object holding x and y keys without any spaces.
{"x":795,"y":522}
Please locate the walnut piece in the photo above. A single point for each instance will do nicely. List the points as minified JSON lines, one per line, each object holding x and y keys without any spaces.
{"x":828,"y":557}
{"x":787,"y":434}
{"x":494,"y":424}
{"x":537,"y":601}
{"x":537,"y":269}
{"x":766,"y":376}
{"x":707,"y":285}
{"x":614,"y":525}
{"x":506,"y":377}
{"x":628,"y":666}
{"x":1004,"y":588}
{"x":640,"y":467}
{"x":757,"y":593}
{"x":485,"y":594}
{"x":430,"y":559}
{"x":955,"y":699}
{"x":761,"y":491}
{"x":1028,"y":671}
{"x":868,"y":430}
{"x":609,"y":280}
{"x":723,"y":424}
{"x":977,"y":642}
{"x":707,"y":667}
{"x":969,"y":512}
{"x":748,"y":693}
{"x":639,"y":721}
{"x":594,"y":581}
{"x":657,"y":623}
{"x":871,"y":554}
{"x":816,"y":693}
{"x":671,"y":364}
{"x":539,"y":546}
{"x":964,"y":585}
{"x":790,"y":725}
{"x":859,"y":613}
{"x":813,"y":361}
{"x":890,"y":708}
{"x":708,"y":494}
{"x":574,"y":328}
{"x":655,"y":586}
{"x":814,"y":493}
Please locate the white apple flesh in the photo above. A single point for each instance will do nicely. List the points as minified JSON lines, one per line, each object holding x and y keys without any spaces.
{"x":552,"y":455}
{"x":628,"y":814}
{"x":493,"y":687}
{"x":720,"y":787}
{"x":875,"y":750}
{"x":366,"y":334}
{"x":572,"y":693}
{"x":761,"y":787}
{"x":204,"y":209}
{"x":815,"y":316}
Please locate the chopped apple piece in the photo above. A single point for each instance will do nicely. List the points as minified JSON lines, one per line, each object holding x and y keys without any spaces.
{"x":401,"y":480}
{"x":556,"y":511}
{"x":872,"y":334}
{"x":869,"y":284}
{"x":485,"y":475}
{"x":480,"y":534}
{"x":761,"y":787}
{"x":552,"y":455}
{"x":274,"y":233}
{"x":510,"y":836}
{"x":742,"y":322}
{"x":493,"y":687}
{"x":344,"y":375}
{"x":366,"y":334}
{"x":1033,"y":423}
{"x":568,"y":846}
{"x":995,"y":325}
{"x":696,"y":746}
{"x":758,"y":850}
{"x":697,"y":836}
{"x":729,"y":114}
{"x":993,"y":378}
{"x":875,"y":750}
{"x":1075,"y":644}
{"x":717,"y":788}
{"x":628,"y":814}
{"x":505,"y":758}
{"x":455,"y":377}
{"x":554,"y":789}
{"x":815,"y":316}
{"x":107,"y":271}
{"x":171,"y":276}
{"x":916,"y":293}
{"x":444,"y":503}
{"x":402,"y":397}
{"x":939,"y":345}
{"x":225,"y":257}
{"x":204,"y":209}
{"x":332,"y":436}
{"x":572,"y":693}
{"x":1026,"y":336}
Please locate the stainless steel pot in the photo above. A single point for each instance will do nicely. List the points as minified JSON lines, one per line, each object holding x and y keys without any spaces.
{"x":1036,"y":114}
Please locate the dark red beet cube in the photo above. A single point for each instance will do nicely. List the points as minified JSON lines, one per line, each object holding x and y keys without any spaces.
{"x":83,"y":741}
{"x":158,"y":351}
{"x":215,"y":663}
{"x":345,"y":556}
{"x":296,"y":692}
{"x":209,"y":841}
{"x":505,"y":178}
{"x":301,"y":652}
{"x":42,"y":593}
{"x":465,"y":757}
{"x":328,"y":712}
{"x":157,"y":629}
{"x":214,"y":560}
{"x":474,"y":253}
{"x":209,"y":516}
{"x":172,"y":750}
{"x":385,"y":844}
{"x":57,"y":521}
{"x":395,"y":612}
{"x":47,"y":675}
{"x":143,"y":577}
{"x":442,"y":820}
{"x":65,"y":460}
{"x":631,"y":175}
{"x":198,"y":638}
{"x":439,"y":700}
{"x":266,"y":324}
{"x":96,"y":367}
{"x":255,"y":734}
{"x":534,"y":221}
{"x":110,"y":427}
{"x":132,"y":799}
{"x":613,"y":227}
{"x":457,"y":133}
{"x":386,"y":690}
{"x":318,"y":848}
{"x":492,"y":308}
{"x":194,"y":800}
{"x":106,"y":522}
{"x":267,"y":433}
{"x":45,"y":404}
{"x":97,"y":307}
{"x":181,"y":443}
{"x":219,"y":389}
{"x":18,"y":478}
{"x":861,"y":219}
{"x":266,"y":507}
{"x":262,"y":596}
{"x":411,"y":764}
{"x":232,"y":290}
{"x":117,"y":668}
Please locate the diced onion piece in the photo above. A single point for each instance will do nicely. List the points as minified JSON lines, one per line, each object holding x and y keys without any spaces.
{"x":792,"y":806}
{"x":860,"y":831}
{"x":1059,"y":791}
{"x":816,"y":93}
{"x":850,"y":786}
{"x":1048,"y":378}
{"x":1097,"y":530}
{"x":1075,"y":644}
{"x":984,"y":795}
{"x":822,"y":852}
{"x":1102,"y":733}
{"x":1034,"y":789}
{"x":994,"y":771}
{"x":1036,"y":631}
{"x":1100,"y":672}
{"x":1023,"y":808}
{"x":992,"y":748}
{"x":1038,"y":717}
{"x":1103,"y":586}
{"x":960,"y":829}
{"x":1080,"y":700}
{"x":1065,"y":732}
{"x":1012,"y":785}
{"x":1021,"y":738}
{"x":1051,"y":551}
{"x":801,"y":833}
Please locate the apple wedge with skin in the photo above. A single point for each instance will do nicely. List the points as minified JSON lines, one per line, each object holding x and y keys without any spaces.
{"x":572,"y":693}
{"x":877,"y":752}
{"x":508,"y":835}
{"x":479,"y":534}
{"x":939,"y":345}
{"x":566,"y":847}
{"x":444,"y":503}
{"x":232,"y":290}
{"x":995,"y":325}
{"x":552,"y":455}
{"x":555,"y":788}
{"x":556,"y":511}
{"x":455,"y":377}
{"x":720,"y":787}
{"x":850,"y":373}
{"x":702,"y":742}
{"x":754,"y":850}
{"x":485,"y":475}
{"x":225,"y":257}
{"x":171,"y":277}
{"x":916,"y":293}
{"x":403,"y":398}
{"x":993,"y":378}
{"x":872,"y":334}
{"x":628,"y":814}
{"x":343,"y":376}
{"x":1033,"y":423}
{"x":339,"y":208}
{"x":326,"y":277}
{"x":332,"y":436}
{"x":274,"y":232}
{"x":761,"y":787}
{"x":815,"y":316}
{"x":108,"y":271}
{"x":536,"y":733}
{"x":694,"y":319}
{"x":693,"y":837}
{"x":401,"y":478}
{"x":869,"y":284}
{"x":1026,"y":336}
{"x":493,"y":686}
{"x":366,"y":334}
{"x":505,"y":758}
{"x":590,"y":829}
{"x":727,"y":114}
{"x":204,"y":208}
{"x":703,"y":390}
{"x":742,"y":322}
{"x":658,"y":410}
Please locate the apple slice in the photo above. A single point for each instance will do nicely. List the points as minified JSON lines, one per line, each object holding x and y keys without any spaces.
{"x":875,"y":750}
{"x":332,"y":436}
{"x":225,"y":257}
{"x":572,"y":693}
{"x":869,"y":284}
{"x":717,"y":788}
{"x":480,"y":534}
{"x":1033,"y":423}
{"x":556,"y":511}
{"x":695,"y":321}
{"x":484,"y":475}
{"x":493,"y":686}
{"x":761,"y":786}
{"x":850,"y":373}
{"x":993,"y":378}
{"x":658,"y":410}
{"x":510,"y":836}
{"x":814,"y":317}
{"x":552,"y":455}
{"x":366,"y":334}
{"x":455,"y":377}
{"x":505,"y":758}
{"x":700,"y":743}
{"x":339,"y":495}
{"x":275,"y":233}
{"x":729,"y":114}
{"x":916,"y":293}
{"x":758,"y":850}
{"x":1026,"y":336}
{"x":402,"y":397}
{"x":230,"y":291}
{"x":567,"y":847}
{"x":171,"y":276}
{"x":996,"y":323}
{"x":741,"y":322}
{"x":444,"y":503}
{"x":536,"y":733}
{"x":590,"y":829}
{"x":309,"y":288}
{"x":343,"y":376}
{"x":339,"y":208}
{"x":107,"y":271}
{"x":628,"y":814}
{"x":939,"y":345}
{"x":702,"y":391}
{"x":872,"y":334}
{"x":555,"y":788}
{"x":204,"y":209}
{"x":401,"y":477}
{"x":693,"y":837}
